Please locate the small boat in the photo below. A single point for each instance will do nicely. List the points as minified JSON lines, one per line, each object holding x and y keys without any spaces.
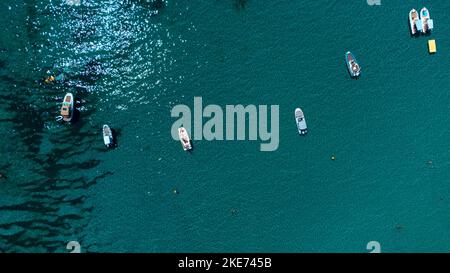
{"x":427,"y":23}
{"x":301,"y":122}
{"x":184,"y":138}
{"x":414,"y":22}
{"x":353,"y":67}
{"x":67,"y":107}
{"x":108,"y":136}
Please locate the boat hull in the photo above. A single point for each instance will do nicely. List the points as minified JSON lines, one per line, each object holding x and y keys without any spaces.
{"x":413,"y":17}
{"x":69,"y":103}
{"x":349,"y":59}
{"x":301,"y":122}
{"x":184,"y":139}
{"x":425,"y":16}
{"x":108,"y":139}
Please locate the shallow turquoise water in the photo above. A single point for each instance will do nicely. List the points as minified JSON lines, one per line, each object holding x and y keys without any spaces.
{"x":130,"y":62}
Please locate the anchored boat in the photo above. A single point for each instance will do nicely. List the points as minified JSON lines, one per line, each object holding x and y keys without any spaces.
{"x":414,"y":22}
{"x":184,"y":138}
{"x":353,"y":67}
{"x":427,"y":22}
{"x":301,"y":122}
{"x":67,"y":107}
{"x":108,"y":136}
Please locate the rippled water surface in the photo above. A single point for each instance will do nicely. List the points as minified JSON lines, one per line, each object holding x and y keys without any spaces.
{"x":114,"y":56}
{"x":129,"y":61}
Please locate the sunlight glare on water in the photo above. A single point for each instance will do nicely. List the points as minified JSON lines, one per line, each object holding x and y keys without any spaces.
{"x":121,"y":45}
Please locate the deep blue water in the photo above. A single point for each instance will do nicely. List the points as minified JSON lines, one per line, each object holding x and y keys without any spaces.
{"x":129,"y":62}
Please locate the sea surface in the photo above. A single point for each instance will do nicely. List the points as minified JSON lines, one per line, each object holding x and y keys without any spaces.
{"x":128,"y":62}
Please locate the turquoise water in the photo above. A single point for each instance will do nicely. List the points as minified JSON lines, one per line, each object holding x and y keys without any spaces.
{"x":129,"y":62}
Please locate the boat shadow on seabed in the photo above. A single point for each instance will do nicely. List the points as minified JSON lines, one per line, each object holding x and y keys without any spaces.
{"x":114,"y":143}
{"x":76,"y":115}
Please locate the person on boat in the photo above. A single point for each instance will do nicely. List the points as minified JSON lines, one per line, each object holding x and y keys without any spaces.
{"x":50,"y":79}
